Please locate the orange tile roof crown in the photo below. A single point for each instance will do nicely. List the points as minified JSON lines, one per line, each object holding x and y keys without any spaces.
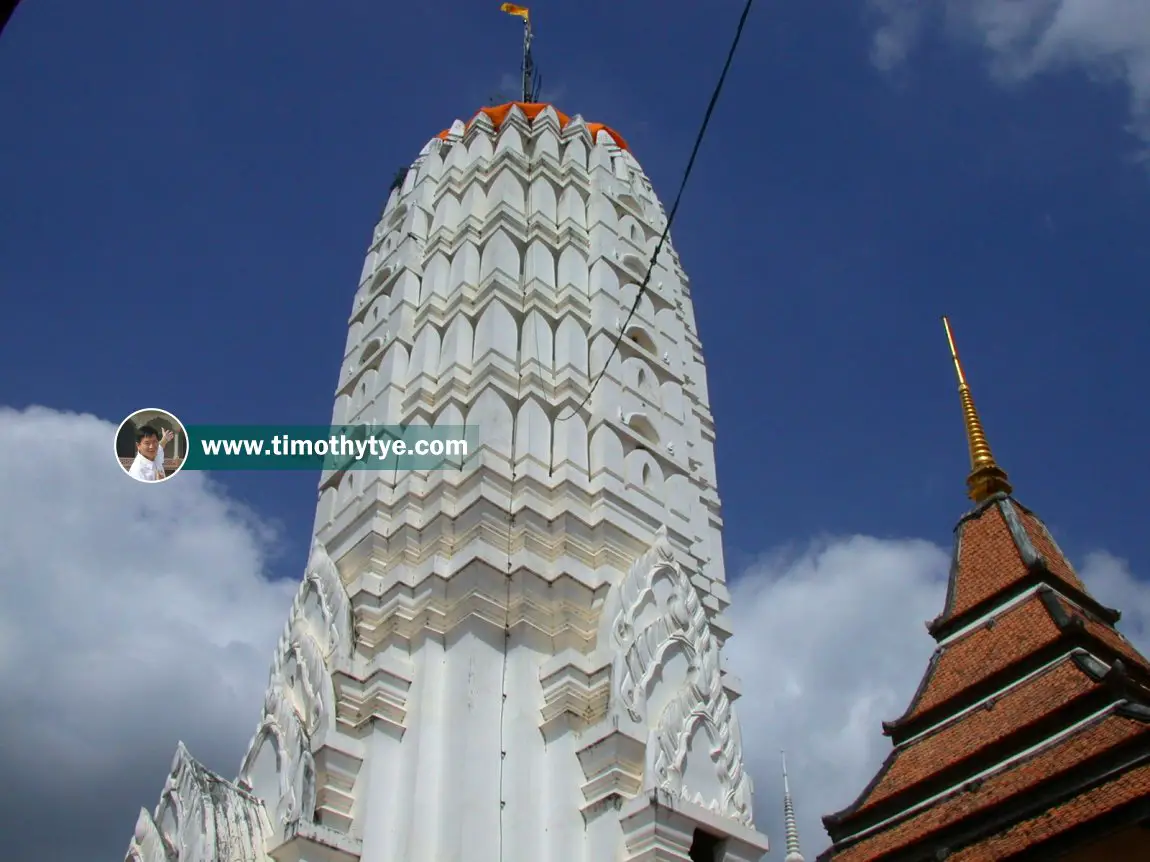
{"x":531,"y":110}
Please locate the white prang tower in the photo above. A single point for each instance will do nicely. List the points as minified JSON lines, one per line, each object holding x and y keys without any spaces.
{"x":519,"y":660}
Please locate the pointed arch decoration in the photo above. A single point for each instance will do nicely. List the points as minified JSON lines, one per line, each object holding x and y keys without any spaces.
{"x":642,"y":641}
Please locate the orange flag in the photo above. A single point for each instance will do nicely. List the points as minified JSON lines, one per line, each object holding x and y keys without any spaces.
{"x":517,"y":11}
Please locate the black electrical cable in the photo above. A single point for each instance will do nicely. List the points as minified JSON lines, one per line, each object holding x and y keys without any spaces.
{"x":675,"y":207}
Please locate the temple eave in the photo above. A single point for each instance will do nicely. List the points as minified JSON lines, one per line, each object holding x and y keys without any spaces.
{"x":1002,"y":548}
{"x":987,"y":656}
{"x":980,"y":808}
{"x":1113,"y":813}
{"x":1020,"y":719}
{"x":1008,"y":645}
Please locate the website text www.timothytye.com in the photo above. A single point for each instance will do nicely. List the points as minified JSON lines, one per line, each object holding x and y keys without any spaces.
{"x":337,"y":446}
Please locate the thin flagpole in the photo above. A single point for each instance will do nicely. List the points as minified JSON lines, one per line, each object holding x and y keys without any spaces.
{"x":523,"y":12}
{"x":528,"y":71}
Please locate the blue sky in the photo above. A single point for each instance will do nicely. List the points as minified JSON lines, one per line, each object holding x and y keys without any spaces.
{"x":189,"y":189}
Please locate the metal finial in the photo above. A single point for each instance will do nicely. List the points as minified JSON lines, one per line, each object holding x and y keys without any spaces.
{"x":986,"y":477}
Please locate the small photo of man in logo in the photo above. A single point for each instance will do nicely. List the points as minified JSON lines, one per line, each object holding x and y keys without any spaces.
{"x":151,"y":445}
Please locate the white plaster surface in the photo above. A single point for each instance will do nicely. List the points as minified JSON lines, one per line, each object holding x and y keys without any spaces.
{"x":516,"y":659}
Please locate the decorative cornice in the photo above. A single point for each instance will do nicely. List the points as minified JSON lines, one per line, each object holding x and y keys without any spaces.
{"x":577,"y":692}
{"x":659,"y":826}
{"x":378,"y":693}
{"x":477,"y":593}
{"x":307,"y":840}
{"x":337,"y":771}
{"x":456,"y":180}
{"x":613,"y":768}
{"x":598,"y":509}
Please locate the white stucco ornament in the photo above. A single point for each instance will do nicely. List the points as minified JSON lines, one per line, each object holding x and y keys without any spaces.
{"x":650,"y":625}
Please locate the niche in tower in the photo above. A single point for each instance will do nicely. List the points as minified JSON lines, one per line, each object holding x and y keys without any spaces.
{"x":639,"y":335}
{"x":705,"y":847}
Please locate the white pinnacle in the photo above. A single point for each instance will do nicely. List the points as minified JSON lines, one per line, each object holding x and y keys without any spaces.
{"x":792,"y":830}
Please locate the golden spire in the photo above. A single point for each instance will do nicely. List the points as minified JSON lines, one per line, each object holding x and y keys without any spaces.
{"x":986,"y":477}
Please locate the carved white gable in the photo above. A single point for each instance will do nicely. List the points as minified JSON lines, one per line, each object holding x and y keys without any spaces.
{"x":670,"y":683}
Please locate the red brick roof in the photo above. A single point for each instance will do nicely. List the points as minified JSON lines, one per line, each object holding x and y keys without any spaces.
{"x":1121,"y":790}
{"x":1011,"y":636}
{"x":1002,"y":546}
{"x":982,"y":652}
{"x":1057,"y":686}
{"x":1025,"y":655}
{"x":1096,"y":738}
{"x":1047,"y":549}
{"x":989,"y":559}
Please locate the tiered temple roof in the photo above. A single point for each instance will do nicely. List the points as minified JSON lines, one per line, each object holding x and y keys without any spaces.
{"x":1029,"y":735}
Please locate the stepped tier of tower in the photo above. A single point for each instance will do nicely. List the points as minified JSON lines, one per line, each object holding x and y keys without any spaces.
{"x":516,"y":658}
{"x":1029,"y":735}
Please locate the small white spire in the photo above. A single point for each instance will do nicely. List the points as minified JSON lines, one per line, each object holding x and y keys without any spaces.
{"x":793,"y":852}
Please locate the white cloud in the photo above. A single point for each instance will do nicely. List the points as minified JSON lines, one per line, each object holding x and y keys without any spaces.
{"x":831,"y":642}
{"x":134,"y":616}
{"x":1106,"y":39}
{"x":902,"y":20}
{"x":1110,"y":580}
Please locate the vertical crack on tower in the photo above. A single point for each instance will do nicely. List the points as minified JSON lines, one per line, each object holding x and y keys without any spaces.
{"x":553,"y":416}
{"x":509,"y":575}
